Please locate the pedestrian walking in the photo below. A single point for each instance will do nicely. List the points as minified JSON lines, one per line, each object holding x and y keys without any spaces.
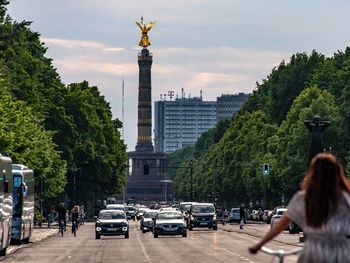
{"x":241,"y":216}
{"x":322,"y":209}
{"x":223,"y":216}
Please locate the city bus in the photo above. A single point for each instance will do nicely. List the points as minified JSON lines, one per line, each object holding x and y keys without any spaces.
{"x":23,"y":204}
{"x":6,"y":190}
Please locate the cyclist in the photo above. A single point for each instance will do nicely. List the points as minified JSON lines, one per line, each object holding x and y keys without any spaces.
{"x":75,"y":217}
{"x":322,"y":209}
{"x":62,"y":211}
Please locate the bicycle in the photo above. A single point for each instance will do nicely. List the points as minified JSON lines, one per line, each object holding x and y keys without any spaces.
{"x":61,"y":226}
{"x":74,"y":228}
{"x":280,"y":253}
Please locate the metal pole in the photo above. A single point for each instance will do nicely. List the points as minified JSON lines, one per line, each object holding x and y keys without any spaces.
{"x":215,"y":172}
{"x":41,"y":200}
{"x":191,"y":190}
{"x":165,"y":192}
{"x":74,"y":187}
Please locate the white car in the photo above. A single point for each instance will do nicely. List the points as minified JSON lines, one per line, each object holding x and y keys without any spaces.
{"x":111,"y":223}
{"x":277,"y":216}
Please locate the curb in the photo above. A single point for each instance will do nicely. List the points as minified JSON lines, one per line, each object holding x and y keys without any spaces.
{"x":258,"y":236}
{"x":13,"y":248}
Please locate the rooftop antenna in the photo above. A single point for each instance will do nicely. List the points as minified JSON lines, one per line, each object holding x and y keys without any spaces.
{"x":171,"y":94}
{"x":201,"y":92}
{"x":182,"y":93}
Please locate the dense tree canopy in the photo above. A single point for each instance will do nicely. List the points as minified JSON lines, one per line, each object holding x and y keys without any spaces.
{"x":61,"y":132}
{"x":270,"y":129}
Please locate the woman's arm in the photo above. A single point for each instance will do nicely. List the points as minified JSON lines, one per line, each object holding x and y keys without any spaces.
{"x":274,"y":231}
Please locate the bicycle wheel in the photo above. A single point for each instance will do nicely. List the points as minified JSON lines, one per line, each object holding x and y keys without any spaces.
{"x":74,"y":229}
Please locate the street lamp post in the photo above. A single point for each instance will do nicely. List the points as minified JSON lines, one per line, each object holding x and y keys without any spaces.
{"x":41,"y":200}
{"x":191,"y":184}
{"x":74,"y":187}
{"x":74,"y":169}
{"x":166,"y":189}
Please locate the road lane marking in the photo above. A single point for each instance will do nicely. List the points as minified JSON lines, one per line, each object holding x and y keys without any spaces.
{"x":142,"y":246}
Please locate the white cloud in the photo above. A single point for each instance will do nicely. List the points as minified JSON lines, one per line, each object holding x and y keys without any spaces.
{"x":78,"y":44}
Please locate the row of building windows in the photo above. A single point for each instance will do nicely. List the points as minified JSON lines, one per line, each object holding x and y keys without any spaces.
{"x":182,"y":121}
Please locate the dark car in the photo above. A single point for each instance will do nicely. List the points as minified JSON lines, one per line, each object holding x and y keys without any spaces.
{"x":294,"y":228}
{"x":140,"y":211}
{"x":146,"y":222}
{"x":202,"y":215}
{"x":111,"y":223}
{"x":169,"y":223}
{"x":130,"y":212}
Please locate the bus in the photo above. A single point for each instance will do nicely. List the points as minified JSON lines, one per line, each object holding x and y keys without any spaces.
{"x":23,"y":204}
{"x":6,"y":191}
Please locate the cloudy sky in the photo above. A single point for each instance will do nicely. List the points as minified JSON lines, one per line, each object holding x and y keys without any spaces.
{"x":217,"y":46}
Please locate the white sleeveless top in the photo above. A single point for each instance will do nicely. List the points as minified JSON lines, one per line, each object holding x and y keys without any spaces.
{"x":329,"y":243}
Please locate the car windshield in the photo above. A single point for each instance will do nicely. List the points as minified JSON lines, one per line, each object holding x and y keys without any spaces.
{"x":169,"y":215}
{"x":111,"y":215}
{"x":112,"y":207}
{"x":279,"y":213}
{"x":203,"y":208}
{"x":150,"y":214}
{"x":129,"y":208}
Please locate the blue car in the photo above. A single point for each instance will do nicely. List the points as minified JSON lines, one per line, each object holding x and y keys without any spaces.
{"x":234,"y":215}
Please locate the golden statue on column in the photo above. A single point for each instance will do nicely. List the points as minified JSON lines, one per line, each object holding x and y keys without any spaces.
{"x":144,"y":42}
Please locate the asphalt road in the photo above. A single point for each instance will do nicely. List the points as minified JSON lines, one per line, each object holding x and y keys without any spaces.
{"x":200,"y":246}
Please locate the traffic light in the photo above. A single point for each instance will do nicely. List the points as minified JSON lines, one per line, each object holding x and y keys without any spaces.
{"x":266,"y":169}
{"x":146,"y":169}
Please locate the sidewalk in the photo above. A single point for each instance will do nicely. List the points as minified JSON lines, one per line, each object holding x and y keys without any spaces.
{"x":38,"y":234}
{"x":259,"y":230}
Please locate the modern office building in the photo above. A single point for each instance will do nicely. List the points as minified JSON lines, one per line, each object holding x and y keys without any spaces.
{"x":179,"y":123}
{"x":229,"y":104}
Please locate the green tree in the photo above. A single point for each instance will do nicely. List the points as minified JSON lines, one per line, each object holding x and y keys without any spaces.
{"x":23,"y":137}
{"x":291,"y":145}
{"x":100,"y":154}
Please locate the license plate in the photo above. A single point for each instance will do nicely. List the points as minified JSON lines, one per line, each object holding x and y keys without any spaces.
{"x":112,"y":229}
{"x":203,"y":223}
{"x":171,"y":229}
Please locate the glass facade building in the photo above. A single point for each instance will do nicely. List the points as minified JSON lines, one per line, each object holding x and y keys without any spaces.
{"x":179,"y":123}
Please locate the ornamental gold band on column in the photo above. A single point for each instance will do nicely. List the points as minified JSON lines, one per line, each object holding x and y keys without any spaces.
{"x":144,"y":138}
{"x":145,"y":121}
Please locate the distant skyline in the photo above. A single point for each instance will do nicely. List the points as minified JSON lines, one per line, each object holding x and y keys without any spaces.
{"x":217,"y":46}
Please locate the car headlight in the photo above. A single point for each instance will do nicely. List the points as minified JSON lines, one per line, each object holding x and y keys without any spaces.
{"x":125,"y":228}
{"x":214,"y":217}
{"x":192,"y":218}
{"x":98,"y":229}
